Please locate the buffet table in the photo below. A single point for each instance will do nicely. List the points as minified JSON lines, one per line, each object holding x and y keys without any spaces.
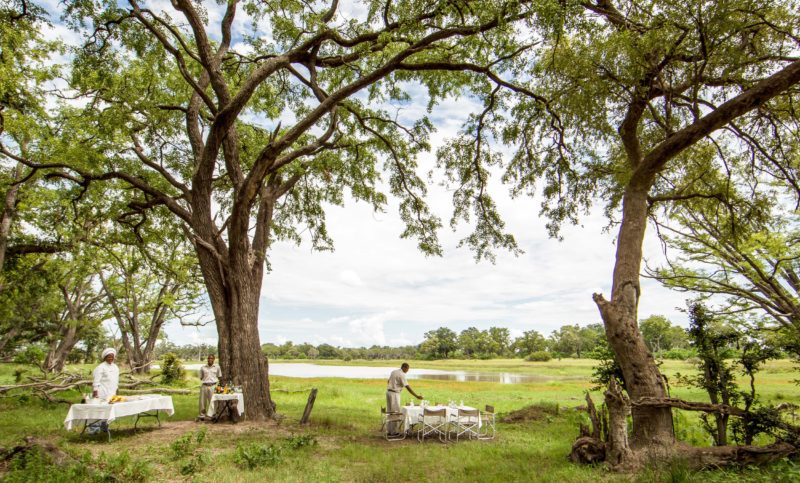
{"x":222,"y":403}
{"x":100,"y":415}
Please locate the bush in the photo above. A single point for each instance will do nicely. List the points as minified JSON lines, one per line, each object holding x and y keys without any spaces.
{"x":300,"y":441}
{"x":539,"y":356}
{"x":678,"y":354}
{"x":31,"y":355}
{"x":171,"y":369}
{"x":256,"y":455}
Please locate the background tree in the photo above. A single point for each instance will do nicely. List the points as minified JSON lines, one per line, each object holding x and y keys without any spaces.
{"x":530,"y":341}
{"x":500,"y":339}
{"x":83,"y":311}
{"x":661,"y":335}
{"x":474,"y":343}
{"x":147,"y":287}
{"x":440,"y":343}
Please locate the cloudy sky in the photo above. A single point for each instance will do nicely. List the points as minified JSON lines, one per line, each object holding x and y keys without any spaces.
{"x":378,"y":289}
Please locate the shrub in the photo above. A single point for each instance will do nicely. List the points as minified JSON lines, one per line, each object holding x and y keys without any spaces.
{"x":125,"y":468}
{"x":300,"y":441}
{"x":539,"y":356}
{"x":31,"y":355}
{"x":199,"y":461}
{"x":171,"y":369}
{"x":256,"y":455}
{"x":679,"y":354}
{"x":181,"y":446}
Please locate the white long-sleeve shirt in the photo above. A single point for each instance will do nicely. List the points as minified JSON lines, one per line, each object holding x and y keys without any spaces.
{"x":106,"y":380}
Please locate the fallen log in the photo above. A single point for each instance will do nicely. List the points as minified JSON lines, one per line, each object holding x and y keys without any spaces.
{"x":160,"y":390}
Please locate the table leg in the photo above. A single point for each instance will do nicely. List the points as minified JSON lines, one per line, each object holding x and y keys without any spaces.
{"x":148,"y":414}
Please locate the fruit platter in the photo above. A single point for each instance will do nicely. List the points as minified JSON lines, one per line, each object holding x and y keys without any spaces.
{"x":116,"y":399}
{"x":223,"y":389}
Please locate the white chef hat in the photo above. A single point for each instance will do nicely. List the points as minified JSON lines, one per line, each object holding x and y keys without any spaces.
{"x":108,"y":351}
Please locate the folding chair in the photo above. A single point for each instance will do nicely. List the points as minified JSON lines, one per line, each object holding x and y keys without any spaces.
{"x":394,"y":420}
{"x":434,"y":421}
{"x":383,"y":419}
{"x":466,"y":422}
{"x":487,"y":424}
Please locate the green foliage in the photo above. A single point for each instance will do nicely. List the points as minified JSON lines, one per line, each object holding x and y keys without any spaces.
{"x":531,"y":341}
{"x":679,"y":354}
{"x":33,"y":354}
{"x":123,"y":466}
{"x":606,"y":368}
{"x":182,"y":446}
{"x":171,"y":369}
{"x":440,"y":343}
{"x":37,"y":465}
{"x":188,"y":445}
{"x":300,"y":441}
{"x":577,"y":341}
{"x":539,"y":356}
{"x":660,"y":335}
{"x":254,"y":455}
{"x":198,"y":461}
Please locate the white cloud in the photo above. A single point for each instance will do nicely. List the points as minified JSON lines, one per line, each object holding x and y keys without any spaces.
{"x":351,"y":278}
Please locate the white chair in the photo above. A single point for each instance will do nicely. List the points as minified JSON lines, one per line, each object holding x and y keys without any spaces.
{"x":466,"y":422}
{"x":434,"y":421}
{"x":394,"y":420}
{"x":488,"y":427}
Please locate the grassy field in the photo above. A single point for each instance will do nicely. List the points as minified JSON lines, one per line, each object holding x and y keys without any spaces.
{"x":342,"y":443}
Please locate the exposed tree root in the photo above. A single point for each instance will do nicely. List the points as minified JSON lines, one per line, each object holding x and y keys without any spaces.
{"x":619,"y":456}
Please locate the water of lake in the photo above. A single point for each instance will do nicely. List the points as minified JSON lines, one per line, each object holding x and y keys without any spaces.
{"x":305,"y":370}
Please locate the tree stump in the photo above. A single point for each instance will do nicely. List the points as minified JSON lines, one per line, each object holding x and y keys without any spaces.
{"x":312,"y":396}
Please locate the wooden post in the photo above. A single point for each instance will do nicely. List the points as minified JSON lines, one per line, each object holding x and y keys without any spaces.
{"x":312,"y":396}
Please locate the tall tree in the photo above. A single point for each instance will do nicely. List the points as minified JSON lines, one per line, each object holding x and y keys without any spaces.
{"x":623,"y":96}
{"x":660,"y":334}
{"x":148,"y":285}
{"x":530,"y":341}
{"x":440,"y":343}
{"x":243,"y":137}
{"x":83,"y":310}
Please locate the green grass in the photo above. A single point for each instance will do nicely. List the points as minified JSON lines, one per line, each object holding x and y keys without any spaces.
{"x":344,"y":425}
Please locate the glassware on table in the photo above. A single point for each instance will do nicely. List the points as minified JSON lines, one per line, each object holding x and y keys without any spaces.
{"x":461,"y":404}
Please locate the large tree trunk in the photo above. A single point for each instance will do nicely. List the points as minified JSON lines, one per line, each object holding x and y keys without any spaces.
{"x":234,"y":295}
{"x":651,"y":425}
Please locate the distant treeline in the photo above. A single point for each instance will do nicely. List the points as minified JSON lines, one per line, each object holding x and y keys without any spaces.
{"x":662,"y":337}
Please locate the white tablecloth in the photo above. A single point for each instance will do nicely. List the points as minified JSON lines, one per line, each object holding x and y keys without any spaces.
{"x":413,"y":414}
{"x":110,"y":412}
{"x":224,"y":397}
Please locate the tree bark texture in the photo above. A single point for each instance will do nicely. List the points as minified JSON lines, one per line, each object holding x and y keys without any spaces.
{"x":618,"y":451}
{"x":234,"y":296}
{"x":651,"y":425}
{"x":9,"y":209}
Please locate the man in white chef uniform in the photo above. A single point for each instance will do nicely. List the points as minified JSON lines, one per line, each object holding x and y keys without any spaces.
{"x":106,"y":382}
{"x":395,"y":384}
